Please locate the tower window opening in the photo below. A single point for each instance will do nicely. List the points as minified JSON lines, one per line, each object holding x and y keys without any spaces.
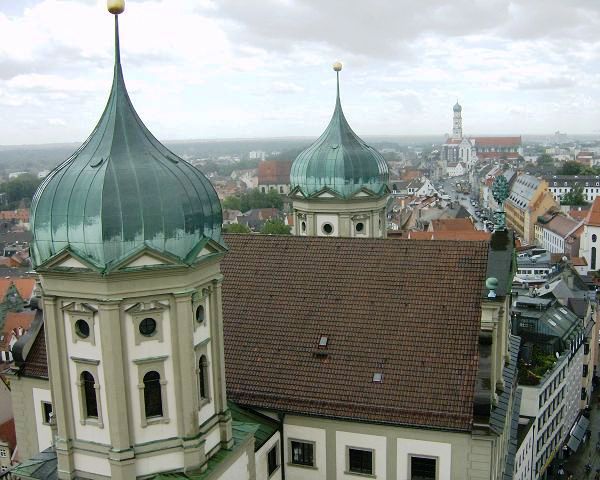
{"x":200,"y":314}
{"x":203,"y":378}
{"x":82,"y":328}
{"x":148,"y":327}
{"x":89,"y":395}
{"x":327,"y":228}
{"x":360,"y":227}
{"x":303,"y":225}
{"x":152,"y":395}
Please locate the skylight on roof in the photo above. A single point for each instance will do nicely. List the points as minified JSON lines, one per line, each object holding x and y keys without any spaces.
{"x":323,"y":341}
{"x":377,"y":377}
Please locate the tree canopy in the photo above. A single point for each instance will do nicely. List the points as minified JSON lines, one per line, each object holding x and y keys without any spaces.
{"x":545,"y":160}
{"x":20,"y":189}
{"x":574,"y":197}
{"x":236,"y":228}
{"x":275,"y":226}
{"x":254,"y":199}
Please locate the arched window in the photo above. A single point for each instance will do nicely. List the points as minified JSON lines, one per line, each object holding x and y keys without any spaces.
{"x":152,"y":395}
{"x":593,"y":262}
{"x":594,"y":238}
{"x":203,"y":378}
{"x":89,"y":395}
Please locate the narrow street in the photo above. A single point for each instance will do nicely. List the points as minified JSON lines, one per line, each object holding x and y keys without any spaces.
{"x":587,"y":452}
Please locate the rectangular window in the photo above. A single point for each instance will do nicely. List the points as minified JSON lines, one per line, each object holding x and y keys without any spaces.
{"x":46,"y":412}
{"x":423,"y":468}
{"x":302,"y":453}
{"x":585,"y":370}
{"x":272,"y":463}
{"x":360,"y":460}
{"x":586,"y":348}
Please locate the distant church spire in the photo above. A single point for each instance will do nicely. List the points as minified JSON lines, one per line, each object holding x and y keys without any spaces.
{"x":457,"y":122}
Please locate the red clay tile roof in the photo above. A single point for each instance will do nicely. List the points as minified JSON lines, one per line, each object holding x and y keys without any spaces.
{"x":12,"y":322}
{"x":36,"y":364}
{"x":24,"y":286}
{"x":409,"y":310}
{"x":8,"y":434}
{"x":578,"y":214}
{"x":593,"y":216}
{"x":454,"y":224}
{"x":497,"y":142}
{"x":465,"y":235}
{"x":274,"y":172}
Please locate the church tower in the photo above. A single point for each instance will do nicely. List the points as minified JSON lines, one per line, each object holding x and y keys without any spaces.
{"x":457,"y":132}
{"x":127,"y":245}
{"x":340,"y":184}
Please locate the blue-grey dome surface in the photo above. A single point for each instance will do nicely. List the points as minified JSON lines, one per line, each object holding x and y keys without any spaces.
{"x":121,"y":190}
{"x":340,"y":161}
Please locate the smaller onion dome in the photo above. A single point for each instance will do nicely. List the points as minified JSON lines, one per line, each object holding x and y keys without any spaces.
{"x":339,"y":160}
{"x":457,"y":107}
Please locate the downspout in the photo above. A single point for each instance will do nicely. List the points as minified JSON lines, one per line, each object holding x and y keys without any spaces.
{"x":281,"y":416}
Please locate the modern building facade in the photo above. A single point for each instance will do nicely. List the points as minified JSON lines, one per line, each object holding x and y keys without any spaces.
{"x":340,"y":184}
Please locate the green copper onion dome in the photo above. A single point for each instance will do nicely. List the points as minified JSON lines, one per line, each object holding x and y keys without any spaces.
{"x":457,"y":107}
{"x":339,"y":161}
{"x":121,"y":191}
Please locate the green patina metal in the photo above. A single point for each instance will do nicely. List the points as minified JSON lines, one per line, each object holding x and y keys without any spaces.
{"x":123,"y":190}
{"x":500,"y":191}
{"x":339,"y":161}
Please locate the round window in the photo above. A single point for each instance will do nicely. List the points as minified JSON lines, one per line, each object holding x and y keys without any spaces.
{"x":303,"y":225}
{"x":82,"y":329}
{"x":148,"y":327}
{"x":594,"y":238}
{"x":360,"y":227}
{"x":327,"y":228}
{"x":200,"y":314}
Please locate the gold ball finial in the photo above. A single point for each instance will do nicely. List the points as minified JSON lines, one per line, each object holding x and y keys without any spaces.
{"x":337,"y":66}
{"x":115,"y":6}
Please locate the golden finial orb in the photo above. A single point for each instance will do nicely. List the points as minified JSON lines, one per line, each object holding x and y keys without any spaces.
{"x":115,"y":6}
{"x":337,"y":66}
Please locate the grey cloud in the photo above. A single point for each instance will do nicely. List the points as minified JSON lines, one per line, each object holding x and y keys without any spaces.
{"x":552,"y":83}
{"x":384,"y":28}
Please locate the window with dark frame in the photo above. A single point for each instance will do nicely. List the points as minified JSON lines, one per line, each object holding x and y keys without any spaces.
{"x":303,"y":453}
{"x":272,"y":463}
{"x":203,"y":377}
{"x":360,"y":460}
{"x":152,"y":395}
{"x":47,"y":412}
{"x":200,"y":314}
{"x":89,"y":395}
{"x":423,"y":468}
{"x":148,"y":327}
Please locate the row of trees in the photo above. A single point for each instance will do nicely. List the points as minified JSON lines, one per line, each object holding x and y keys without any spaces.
{"x":576,"y":168}
{"x":20,"y":190}
{"x":254,"y":199}
{"x":574,"y":198}
{"x":273,"y":226}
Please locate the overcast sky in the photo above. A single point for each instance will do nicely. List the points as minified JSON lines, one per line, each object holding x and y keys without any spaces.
{"x":242,"y":68}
